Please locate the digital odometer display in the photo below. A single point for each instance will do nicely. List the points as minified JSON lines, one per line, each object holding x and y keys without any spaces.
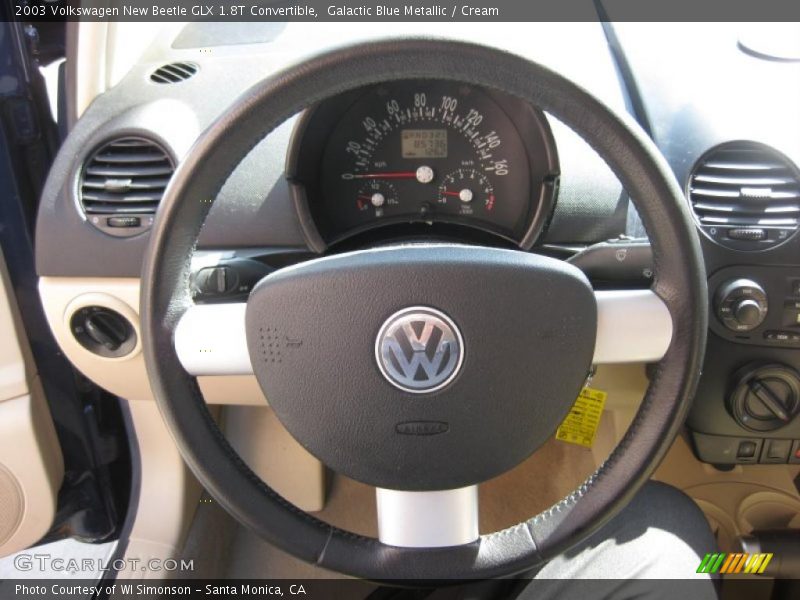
{"x":425,"y":152}
{"x":423,"y":143}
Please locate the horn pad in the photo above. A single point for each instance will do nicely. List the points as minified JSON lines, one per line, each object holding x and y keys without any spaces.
{"x":422,"y":367}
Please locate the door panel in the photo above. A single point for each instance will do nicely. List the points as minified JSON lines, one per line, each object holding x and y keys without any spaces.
{"x":31,"y":464}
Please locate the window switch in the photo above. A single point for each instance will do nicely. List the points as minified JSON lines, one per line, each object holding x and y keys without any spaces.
{"x":776,"y":451}
{"x":747,"y":450}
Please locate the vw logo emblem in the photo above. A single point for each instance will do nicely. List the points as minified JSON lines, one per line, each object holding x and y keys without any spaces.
{"x":419,"y":350}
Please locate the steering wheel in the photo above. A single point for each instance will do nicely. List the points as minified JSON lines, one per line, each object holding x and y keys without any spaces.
{"x":459,"y":362}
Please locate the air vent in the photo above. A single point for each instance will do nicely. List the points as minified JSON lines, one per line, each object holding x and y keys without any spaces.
{"x":746,"y":195}
{"x":122,"y":184}
{"x":174,"y":72}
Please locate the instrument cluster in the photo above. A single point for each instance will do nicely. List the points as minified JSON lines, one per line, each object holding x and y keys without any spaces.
{"x":424,"y":153}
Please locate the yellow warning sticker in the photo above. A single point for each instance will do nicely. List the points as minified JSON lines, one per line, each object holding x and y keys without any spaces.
{"x":580,"y":425}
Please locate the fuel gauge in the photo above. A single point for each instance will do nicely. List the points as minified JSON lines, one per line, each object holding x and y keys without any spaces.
{"x":377,"y":196}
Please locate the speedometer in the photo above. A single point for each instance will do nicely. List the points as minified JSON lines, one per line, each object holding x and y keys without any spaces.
{"x":429,"y":152}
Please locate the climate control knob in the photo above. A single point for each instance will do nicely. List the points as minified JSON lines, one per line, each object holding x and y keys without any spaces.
{"x":741,"y":304}
{"x":748,"y":312}
{"x":765,"y":397}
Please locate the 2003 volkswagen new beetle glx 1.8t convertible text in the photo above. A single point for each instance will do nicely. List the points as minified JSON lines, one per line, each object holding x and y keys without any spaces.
{"x":401,"y":308}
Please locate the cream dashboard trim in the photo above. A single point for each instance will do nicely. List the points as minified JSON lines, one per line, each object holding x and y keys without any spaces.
{"x":126,"y":376}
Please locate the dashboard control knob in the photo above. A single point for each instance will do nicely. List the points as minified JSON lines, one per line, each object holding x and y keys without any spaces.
{"x":765,"y":397}
{"x":748,"y":312}
{"x":741,"y":305}
{"x":107,"y":329}
{"x":103,"y":331}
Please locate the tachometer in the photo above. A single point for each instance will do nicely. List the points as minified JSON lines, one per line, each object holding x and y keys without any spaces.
{"x":469,"y":190}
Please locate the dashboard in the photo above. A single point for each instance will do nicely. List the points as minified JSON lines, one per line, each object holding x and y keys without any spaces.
{"x":434,"y":159}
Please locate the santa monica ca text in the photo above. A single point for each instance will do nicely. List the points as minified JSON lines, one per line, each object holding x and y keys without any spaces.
{"x":160,"y":591}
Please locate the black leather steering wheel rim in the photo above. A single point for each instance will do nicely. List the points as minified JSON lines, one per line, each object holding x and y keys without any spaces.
{"x":679,"y":282}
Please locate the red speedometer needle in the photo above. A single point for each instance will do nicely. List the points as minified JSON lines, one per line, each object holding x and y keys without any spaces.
{"x":388,"y":175}
{"x":448,"y":193}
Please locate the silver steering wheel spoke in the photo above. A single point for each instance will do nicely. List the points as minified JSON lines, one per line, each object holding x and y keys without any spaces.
{"x":632,"y":326}
{"x":433,"y":519}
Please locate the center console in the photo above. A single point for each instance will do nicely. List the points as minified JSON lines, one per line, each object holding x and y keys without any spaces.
{"x":747,"y":404}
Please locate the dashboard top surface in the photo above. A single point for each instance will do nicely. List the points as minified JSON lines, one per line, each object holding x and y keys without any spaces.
{"x":689,"y":86}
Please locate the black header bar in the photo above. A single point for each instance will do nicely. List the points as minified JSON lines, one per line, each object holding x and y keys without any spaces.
{"x":405,"y":10}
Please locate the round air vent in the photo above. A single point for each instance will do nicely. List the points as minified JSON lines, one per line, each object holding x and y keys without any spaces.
{"x":122,"y":183}
{"x":174,"y":72}
{"x":746,"y":195}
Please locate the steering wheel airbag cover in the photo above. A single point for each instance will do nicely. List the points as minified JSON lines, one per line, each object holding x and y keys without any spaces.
{"x":680,"y":282}
{"x":527,"y":324}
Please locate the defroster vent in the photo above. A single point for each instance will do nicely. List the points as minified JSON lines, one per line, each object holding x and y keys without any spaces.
{"x":174,"y":72}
